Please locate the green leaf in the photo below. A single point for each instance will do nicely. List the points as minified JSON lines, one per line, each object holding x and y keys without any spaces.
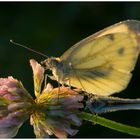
{"x":111,"y":124}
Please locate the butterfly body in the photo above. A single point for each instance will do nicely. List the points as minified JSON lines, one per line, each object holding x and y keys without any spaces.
{"x":60,"y":70}
{"x":102,"y":63}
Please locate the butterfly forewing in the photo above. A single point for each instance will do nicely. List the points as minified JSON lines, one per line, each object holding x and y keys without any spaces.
{"x":102,"y":63}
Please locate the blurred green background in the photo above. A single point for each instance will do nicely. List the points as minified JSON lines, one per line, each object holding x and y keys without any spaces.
{"x":52,"y":28}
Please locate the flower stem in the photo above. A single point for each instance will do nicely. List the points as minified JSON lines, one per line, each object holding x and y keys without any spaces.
{"x":111,"y":124}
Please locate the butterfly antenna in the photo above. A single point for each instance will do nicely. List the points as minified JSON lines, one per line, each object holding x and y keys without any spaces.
{"x":25,"y":47}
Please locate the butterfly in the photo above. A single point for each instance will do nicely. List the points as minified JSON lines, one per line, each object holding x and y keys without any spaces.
{"x":102,"y":63}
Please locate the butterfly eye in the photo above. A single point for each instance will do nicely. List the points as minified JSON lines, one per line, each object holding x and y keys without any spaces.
{"x":54,"y":63}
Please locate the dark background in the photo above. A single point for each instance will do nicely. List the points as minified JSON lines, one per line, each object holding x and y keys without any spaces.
{"x":52,"y":28}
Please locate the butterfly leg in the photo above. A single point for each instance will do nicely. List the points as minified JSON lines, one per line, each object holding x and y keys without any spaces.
{"x":69,"y":84}
{"x":45,"y":81}
{"x":51,"y":77}
{"x":58,"y":88}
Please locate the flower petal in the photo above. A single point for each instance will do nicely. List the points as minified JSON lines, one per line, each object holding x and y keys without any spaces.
{"x":9,"y":132}
{"x":38,"y":76}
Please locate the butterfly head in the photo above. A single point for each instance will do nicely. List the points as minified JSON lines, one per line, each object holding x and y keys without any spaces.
{"x":50,"y":63}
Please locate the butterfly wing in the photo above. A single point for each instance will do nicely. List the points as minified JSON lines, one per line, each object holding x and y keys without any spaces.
{"x":102,"y":63}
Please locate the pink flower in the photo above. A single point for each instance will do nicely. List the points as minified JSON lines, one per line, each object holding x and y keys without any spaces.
{"x":54,"y":111}
{"x":55,"y":115}
{"x":15,"y":103}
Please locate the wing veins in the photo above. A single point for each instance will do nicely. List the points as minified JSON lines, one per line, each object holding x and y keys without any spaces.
{"x":91,"y":56}
{"x":88,"y":80}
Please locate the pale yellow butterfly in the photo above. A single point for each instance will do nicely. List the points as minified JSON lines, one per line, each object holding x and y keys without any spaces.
{"x":102,"y":63}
